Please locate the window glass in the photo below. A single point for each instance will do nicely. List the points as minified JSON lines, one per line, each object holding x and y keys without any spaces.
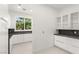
{"x":27,"y":23}
{"x":23,"y":23}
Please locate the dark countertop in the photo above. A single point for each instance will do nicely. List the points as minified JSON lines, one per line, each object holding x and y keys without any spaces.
{"x":11,"y":33}
{"x":21,"y":32}
{"x":70,"y":36}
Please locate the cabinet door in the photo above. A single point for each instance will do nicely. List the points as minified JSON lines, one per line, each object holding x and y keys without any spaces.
{"x":75,"y":20}
{"x":58,"y":22}
{"x":60,"y":42}
{"x":60,"y":38}
{"x":64,"y":43}
{"x":69,"y":44}
{"x":17,"y":39}
{"x":75,"y":45}
{"x":65,"y":22}
{"x":27,"y":37}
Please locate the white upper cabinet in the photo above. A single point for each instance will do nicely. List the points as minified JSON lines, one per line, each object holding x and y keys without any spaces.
{"x":65,"y":22}
{"x":75,"y":20}
{"x":70,"y":21}
{"x":58,"y":22}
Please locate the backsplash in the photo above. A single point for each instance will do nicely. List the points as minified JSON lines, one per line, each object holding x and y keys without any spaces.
{"x":68,"y":32}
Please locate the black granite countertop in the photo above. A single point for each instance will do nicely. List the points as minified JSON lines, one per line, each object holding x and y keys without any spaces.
{"x":22,"y":32}
{"x":11,"y":33}
{"x":70,"y":36}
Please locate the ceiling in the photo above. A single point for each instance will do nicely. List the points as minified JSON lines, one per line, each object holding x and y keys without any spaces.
{"x":29,"y":10}
{"x":60,"y":6}
{"x":26,"y":8}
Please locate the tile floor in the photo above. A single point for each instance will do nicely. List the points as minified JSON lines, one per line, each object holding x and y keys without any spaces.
{"x":53,"y":50}
{"x":26,"y":48}
{"x":23,"y":48}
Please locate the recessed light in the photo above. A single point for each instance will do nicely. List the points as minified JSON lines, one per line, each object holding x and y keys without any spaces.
{"x":30,"y":10}
{"x":19,"y":6}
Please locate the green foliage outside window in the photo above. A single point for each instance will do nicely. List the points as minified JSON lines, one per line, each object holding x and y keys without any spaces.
{"x":27,"y":23}
{"x":23,"y":23}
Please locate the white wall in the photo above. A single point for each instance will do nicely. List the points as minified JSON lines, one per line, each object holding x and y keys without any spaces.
{"x":44,"y":25}
{"x":13,"y":15}
{"x":4,"y":28}
{"x":70,"y":9}
{"x":4,"y":13}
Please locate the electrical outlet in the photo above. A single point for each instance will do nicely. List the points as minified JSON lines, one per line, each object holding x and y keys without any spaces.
{"x":75,"y":32}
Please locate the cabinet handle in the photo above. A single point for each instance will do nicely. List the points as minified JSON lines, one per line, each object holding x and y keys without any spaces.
{"x":59,"y":41}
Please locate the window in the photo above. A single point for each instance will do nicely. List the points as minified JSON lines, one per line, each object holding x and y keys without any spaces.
{"x":23,"y":23}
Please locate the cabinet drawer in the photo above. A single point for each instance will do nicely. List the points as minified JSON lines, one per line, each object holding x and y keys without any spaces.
{"x":75,"y":42}
{"x":58,"y":41}
{"x":60,"y":44}
{"x":74,"y":49}
{"x":69,"y":44}
{"x":27,"y":37}
{"x":59,"y":38}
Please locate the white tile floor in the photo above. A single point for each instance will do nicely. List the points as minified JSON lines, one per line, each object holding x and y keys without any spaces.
{"x":53,"y":50}
{"x":26,"y":48}
{"x":23,"y":48}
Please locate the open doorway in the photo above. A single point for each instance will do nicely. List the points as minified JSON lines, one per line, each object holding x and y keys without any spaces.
{"x":20,"y":41}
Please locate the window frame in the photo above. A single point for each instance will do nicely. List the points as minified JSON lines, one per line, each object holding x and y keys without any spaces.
{"x":24,"y":24}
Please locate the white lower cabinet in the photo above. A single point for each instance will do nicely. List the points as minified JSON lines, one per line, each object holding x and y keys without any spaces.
{"x":17,"y":39}
{"x":27,"y":37}
{"x":66,"y":43}
{"x":20,"y":38}
{"x":60,"y":42}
